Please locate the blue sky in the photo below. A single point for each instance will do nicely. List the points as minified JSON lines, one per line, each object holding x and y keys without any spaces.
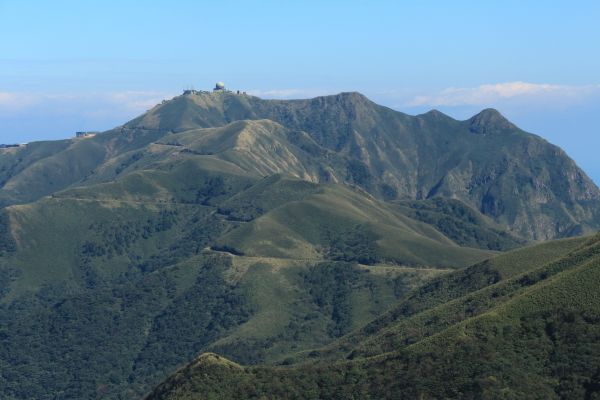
{"x":92,"y":65}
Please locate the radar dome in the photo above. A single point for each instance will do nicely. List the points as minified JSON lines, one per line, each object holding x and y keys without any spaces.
{"x":220,"y":85}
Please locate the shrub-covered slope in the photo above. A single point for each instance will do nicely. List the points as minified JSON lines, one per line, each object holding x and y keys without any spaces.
{"x":346,"y":225}
{"x":106,"y":288}
{"x":490,"y":331}
{"x":259,"y":230}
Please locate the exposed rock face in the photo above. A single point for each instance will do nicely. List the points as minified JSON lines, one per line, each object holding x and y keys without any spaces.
{"x":490,"y":121}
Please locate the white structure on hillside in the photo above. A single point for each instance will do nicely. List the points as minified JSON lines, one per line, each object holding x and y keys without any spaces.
{"x":86,"y":134}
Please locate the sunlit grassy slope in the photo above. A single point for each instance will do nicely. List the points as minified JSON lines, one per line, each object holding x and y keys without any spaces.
{"x":126,"y":267}
{"x":262,"y":230}
{"x":346,"y":224}
{"x":516,"y":179}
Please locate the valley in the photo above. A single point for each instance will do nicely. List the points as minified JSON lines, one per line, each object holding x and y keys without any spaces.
{"x":307,"y":248}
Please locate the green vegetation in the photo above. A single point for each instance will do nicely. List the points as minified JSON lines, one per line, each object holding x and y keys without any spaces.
{"x":7,"y":243}
{"x":338,"y":223}
{"x":347,"y":243}
{"x":535,"y":334}
{"x":357,"y":243}
{"x":331,"y":287}
{"x":267,"y":194}
{"x":516,"y":179}
{"x":123,"y":268}
{"x":461,"y":223}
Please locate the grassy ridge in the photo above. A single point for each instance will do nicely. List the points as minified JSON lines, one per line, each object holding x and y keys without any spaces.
{"x":202,"y":226}
{"x":532,"y":333}
{"x":42,"y":168}
{"x":339,"y":223}
{"x":124,"y":268}
{"x":516,"y":179}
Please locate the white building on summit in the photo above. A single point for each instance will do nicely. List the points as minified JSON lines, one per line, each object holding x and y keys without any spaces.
{"x":219,"y":87}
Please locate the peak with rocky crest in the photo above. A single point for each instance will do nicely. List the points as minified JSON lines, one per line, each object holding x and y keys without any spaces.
{"x":490,"y":121}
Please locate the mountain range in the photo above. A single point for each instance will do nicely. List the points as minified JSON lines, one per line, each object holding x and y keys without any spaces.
{"x":515,"y":178}
{"x":521,"y":325}
{"x":322,"y":237}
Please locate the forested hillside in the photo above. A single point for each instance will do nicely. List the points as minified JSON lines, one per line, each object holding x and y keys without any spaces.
{"x":490,"y":331}
{"x":279,"y":232}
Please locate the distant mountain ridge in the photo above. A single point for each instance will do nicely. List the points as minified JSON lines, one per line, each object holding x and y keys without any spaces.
{"x":261,"y":230}
{"x":518,"y":179}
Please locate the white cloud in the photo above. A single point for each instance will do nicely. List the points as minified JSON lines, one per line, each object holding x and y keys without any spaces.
{"x":34,"y":116}
{"x":137,"y":100}
{"x":509,"y":91}
{"x":16,"y":101}
{"x":98,"y":102}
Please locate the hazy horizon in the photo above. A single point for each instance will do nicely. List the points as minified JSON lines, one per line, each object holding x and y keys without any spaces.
{"x":78,"y":66}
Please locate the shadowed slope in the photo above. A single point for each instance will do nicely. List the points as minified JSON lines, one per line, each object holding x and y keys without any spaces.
{"x":533,"y":333}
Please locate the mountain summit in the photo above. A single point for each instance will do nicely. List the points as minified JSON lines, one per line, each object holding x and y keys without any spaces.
{"x":518,"y":179}
{"x":490,"y":121}
{"x":261,"y":229}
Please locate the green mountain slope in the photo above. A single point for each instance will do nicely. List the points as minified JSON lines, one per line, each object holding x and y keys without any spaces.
{"x":461,"y":223}
{"x":41,"y":168}
{"x":490,"y":331}
{"x":263,"y":230}
{"x":515,"y":178}
{"x":261,"y":148}
{"x":126,"y":268}
{"x":345,"y":225}
{"x":479,"y":161}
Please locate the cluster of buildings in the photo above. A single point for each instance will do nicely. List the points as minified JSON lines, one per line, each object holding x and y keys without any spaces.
{"x":219,"y":88}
